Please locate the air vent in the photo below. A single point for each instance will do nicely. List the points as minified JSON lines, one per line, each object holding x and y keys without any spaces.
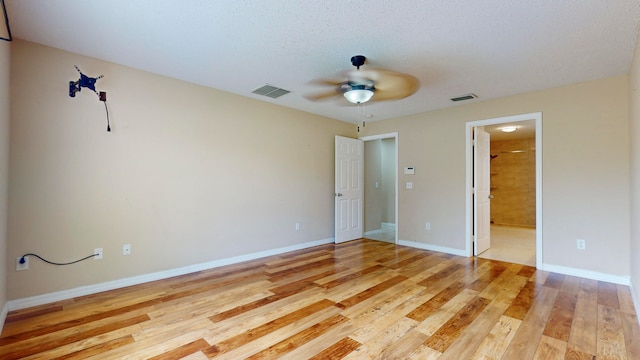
{"x":271,"y":91}
{"x":465,"y":97}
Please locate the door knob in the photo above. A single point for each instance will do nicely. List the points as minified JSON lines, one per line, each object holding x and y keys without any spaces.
{"x":338,"y":194}
{"x":491,"y":196}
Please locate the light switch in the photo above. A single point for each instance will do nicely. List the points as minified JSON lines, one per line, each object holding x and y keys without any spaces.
{"x":409,"y":185}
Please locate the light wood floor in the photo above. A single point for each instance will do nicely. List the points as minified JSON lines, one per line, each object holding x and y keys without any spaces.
{"x":359,"y":300}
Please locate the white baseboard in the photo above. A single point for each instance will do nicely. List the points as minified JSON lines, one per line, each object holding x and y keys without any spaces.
{"x":593,"y":275}
{"x":588,"y":274}
{"x":442,"y":249}
{"x":135,"y":280}
{"x":373,"y":232}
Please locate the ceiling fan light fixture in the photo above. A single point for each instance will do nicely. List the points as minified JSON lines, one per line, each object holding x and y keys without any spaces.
{"x":358,"y":94}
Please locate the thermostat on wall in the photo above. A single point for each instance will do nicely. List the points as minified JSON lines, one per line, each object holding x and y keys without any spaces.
{"x":409,"y":170}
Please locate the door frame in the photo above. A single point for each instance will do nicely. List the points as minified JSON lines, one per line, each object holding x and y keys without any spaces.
{"x":537,"y":116}
{"x":391,"y":135}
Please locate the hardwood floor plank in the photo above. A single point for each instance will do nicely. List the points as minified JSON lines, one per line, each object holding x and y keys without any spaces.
{"x":611,"y":342}
{"x":445,"y":335}
{"x":508,"y":279}
{"x":220,"y":331}
{"x":26,"y":315}
{"x":290,"y":334}
{"x":300,"y":338}
{"x":625,"y":299}
{"x":343,"y":278}
{"x":554,"y":281}
{"x":391,"y":335}
{"x":588,"y":290}
{"x":338,"y":350}
{"x":406,"y":345}
{"x":319,"y":344}
{"x":471,"y":339}
{"x":362,"y":299}
{"x":561,"y":318}
{"x":584,"y":327}
{"x":488,"y":277}
{"x":433,"y":304}
{"x":495,"y":344}
{"x":12,"y":352}
{"x":424,"y":353}
{"x":452,"y":270}
{"x":373,"y":290}
{"x":348,"y":290}
{"x":608,"y":295}
{"x":550,"y":348}
{"x":523,"y":302}
{"x":527,"y":338}
{"x":380,"y":315}
{"x":264,"y":329}
{"x":440,"y":316}
{"x":184,"y":350}
{"x":88,"y":351}
{"x":631,"y":330}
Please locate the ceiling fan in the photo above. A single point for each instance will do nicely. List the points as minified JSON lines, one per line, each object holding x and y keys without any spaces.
{"x":364,"y":85}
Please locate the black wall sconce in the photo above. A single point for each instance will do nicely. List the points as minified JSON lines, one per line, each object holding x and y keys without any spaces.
{"x":5,"y":30}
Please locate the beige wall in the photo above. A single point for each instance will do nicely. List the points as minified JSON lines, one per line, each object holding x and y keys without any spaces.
{"x":5,"y":58}
{"x":585,"y":172}
{"x":188,"y":175}
{"x":634,"y":134}
{"x":513,"y":182}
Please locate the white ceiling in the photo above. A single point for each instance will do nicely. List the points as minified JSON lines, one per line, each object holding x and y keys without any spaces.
{"x":492,"y":48}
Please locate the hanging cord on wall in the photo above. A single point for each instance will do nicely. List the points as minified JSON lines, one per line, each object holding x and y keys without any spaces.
{"x":107,"y":110}
{"x":102,"y":95}
{"x":22,"y":260}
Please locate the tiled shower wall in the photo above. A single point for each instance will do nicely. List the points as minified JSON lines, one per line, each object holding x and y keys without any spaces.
{"x":513,"y":182}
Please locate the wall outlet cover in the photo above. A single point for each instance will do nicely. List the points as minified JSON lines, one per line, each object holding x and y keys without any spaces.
{"x":21,"y":267}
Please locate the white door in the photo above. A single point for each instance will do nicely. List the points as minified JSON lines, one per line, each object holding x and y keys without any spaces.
{"x":349,"y":189}
{"x":481,"y":183}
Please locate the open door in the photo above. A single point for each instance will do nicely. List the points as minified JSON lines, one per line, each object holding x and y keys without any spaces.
{"x":482,"y":190}
{"x":349,"y":189}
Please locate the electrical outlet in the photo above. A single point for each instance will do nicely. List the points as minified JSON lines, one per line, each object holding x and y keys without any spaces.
{"x":24,"y":266}
{"x":427,"y":226}
{"x":126,"y":249}
{"x":297,"y":226}
{"x":581,"y":244}
{"x":97,"y":254}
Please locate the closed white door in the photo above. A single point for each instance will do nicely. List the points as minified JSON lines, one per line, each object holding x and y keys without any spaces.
{"x":349,"y":189}
{"x":482,"y":187}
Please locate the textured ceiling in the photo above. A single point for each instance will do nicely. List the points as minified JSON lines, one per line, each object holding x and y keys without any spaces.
{"x":490,"y":48}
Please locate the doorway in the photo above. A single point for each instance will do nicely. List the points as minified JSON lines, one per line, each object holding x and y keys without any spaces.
{"x":380,"y":187}
{"x":515,"y":228}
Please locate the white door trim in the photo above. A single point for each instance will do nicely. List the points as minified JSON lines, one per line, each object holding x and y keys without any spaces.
{"x":388,"y":136}
{"x":537,"y":116}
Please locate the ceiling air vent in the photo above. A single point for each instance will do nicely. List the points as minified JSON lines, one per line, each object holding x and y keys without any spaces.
{"x":271,"y":91}
{"x":465,"y":97}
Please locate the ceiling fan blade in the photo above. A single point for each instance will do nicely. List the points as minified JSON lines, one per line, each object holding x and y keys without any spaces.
{"x":327,"y":82}
{"x":392,"y":85}
{"x":324,"y":95}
